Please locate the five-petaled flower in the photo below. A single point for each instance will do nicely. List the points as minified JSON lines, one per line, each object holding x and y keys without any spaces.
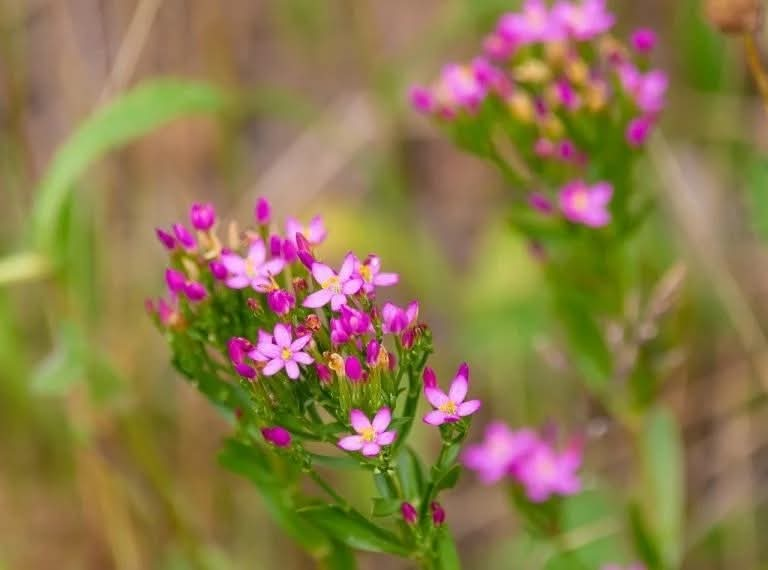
{"x":254,"y":269}
{"x":370,"y":272}
{"x":585,"y":204}
{"x":371,"y":435}
{"x":334,"y":286}
{"x":449,"y":407}
{"x":284,"y":352}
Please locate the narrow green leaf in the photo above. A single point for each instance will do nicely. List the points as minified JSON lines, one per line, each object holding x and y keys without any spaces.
{"x":340,"y":558}
{"x":64,"y":366}
{"x":128,"y":117}
{"x":410,"y":473}
{"x":448,"y":479}
{"x":354,"y":530}
{"x":385,"y":507}
{"x":447,"y":553}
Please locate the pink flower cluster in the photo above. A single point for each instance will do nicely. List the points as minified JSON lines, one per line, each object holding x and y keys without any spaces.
{"x":527,"y":459}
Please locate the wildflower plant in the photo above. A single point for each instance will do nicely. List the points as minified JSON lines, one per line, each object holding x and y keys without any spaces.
{"x":317,"y":374}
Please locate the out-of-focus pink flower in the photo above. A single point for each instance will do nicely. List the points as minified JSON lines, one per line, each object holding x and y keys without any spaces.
{"x":284,"y":352}
{"x":410,"y":515}
{"x":534,"y":23}
{"x":371,"y":435}
{"x":450,"y":407}
{"x":254,"y":269}
{"x":353,"y":369}
{"x":638,"y":131}
{"x":648,"y":90}
{"x":541,"y":203}
{"x":175,"y":280}
{"x":498,"y":454}
{"x":202,"y":216}
{"x":323,"y":372}
{"x":184,"y":237}
{"x":546,"y":472}
{"x":238,"y":349}
{"x":584,"y":20}
{"x":585,"y":204}
{"x":280,"y":301}
{"x":438,"y":513}
{"x":276,"y":435}
{"x":334,"y":287}
{"x":371,"y":274}
{"x":218,"y":270}
{"x":195,"y":291}
{"x":168,"y":241}
{"x":395,"y":320}
{"x":315,"y":231}
{"x":643,"y":40}
{"x":262,"y":212}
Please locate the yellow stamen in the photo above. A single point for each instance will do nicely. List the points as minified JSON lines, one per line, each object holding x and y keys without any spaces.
{"x":449,"y":408}
{"x":368,"y":434}
{"x":332,"y":283}
{"x":286,"y":354}
{"x":365,"y":273}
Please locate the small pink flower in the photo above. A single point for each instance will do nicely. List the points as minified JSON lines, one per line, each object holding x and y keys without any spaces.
{"x":585,"y":20}
{"x":284,"y":352}
{"x":643,"y":40}
{"x":202,"y":216}
{"x":315,"y":232}
{"x":175,"y":280}
{"x":262,"y":211}
{"x":586,"y":205}
{"x":184,"y":237}
{"x":410,"y":515}
{"x":168,"y":241}
{"x":534,"y":23}
{"x":395,"y":320}
{"x":372,"y":276}
{"x":195,"y":291}
{"x":371,"y":435}
{"x":545,"y":471}
{"x":648,"y":90}
{"x":450,"y":407}
{"x":253,"y":270}
{"x":499,"y":452}
{"x":638,"y":131}
{"x":334,"y":287}
{"x":280,"y":301}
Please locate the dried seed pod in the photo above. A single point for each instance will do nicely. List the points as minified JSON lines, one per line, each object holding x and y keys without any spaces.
{"x":734,"y":16}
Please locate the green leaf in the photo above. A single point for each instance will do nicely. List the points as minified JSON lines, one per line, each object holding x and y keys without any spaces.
{"x":385,"y":507}
{"x":64,"y":366}
{"x":448,"y":479}
{"x":757,"y":187}
{"x":340,"y":558}
{"x":354,"y":530}
{"x":663,"y":492}
{"x":128,"y":117}
{"x":410,"y":473}
{"x":446,"y":551}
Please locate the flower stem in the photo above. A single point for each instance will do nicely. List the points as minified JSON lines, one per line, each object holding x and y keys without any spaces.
{"x":755,"y":64}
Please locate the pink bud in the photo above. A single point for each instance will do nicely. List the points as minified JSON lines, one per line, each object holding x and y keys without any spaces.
{"x":277,"y":435}
{"x":289,"y":251}
{"x":194,"y":291}
{"x":372,"y":353}
{"x":175,"y":280}
{"x":275,"y":246}
{"x":263,"y":211}
{"x":280,"y":301}
{"x":438,"y":513}
{"x":186,"y":239}
{"x":429,"y":377}
{"x":245,"y":370}
{"x":218,"y":270}
{"x":409,"y":513}
{"x":202,"y":216}
{"x":323,"y":372}
{"x":353,"y":369}
{"x":168,"y":241}
{"x":643,"y":40}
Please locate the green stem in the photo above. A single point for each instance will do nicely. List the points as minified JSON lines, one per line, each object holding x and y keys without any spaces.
{"x":325,"y":486}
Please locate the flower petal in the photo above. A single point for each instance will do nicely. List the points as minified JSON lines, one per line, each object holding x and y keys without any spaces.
{"x":435,"y":418}
{"x":318,"y":298}
{"x":238,"y":282}
{"x":273,"y":367}
{"x":386,"y":279}
{"x":468,"y":408}
{"x":381,"y":420}
{"x":386,"y":438}
{"x":337,"y":301}
{"x":352,"y":286}
{"x":282,"y":336}
{"x":303,"y":358}
{"x":321,"y":272}
{"x":292,"y":369}
{"x":268,"y":349}
{"x":371,"y":449}
{"x":436,"y":396}
{"x":257,"y":253}
{"x":351,"y":443}
{"x":359,"y":421}
{"x":233,"y":263}
{"x":261,"y":284}
{"x":347,"y":267}
{"x":272,"y":267}
{"x":458,"y":389}
{"x":300,"y":342}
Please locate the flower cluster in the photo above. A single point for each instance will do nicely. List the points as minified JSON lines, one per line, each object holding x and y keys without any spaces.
{"x":527,"y":459}
{"x":556,"y":100}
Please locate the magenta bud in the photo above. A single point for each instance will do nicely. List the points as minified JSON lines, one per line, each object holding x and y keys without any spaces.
{"x":175,"y":280}
{"x":438,"y":513}
{"x":638,"y":130}
{"x":409,"y":513}
{"x":409,"y":338}
{"x":280,"y":301}
{"x":238,"y":347}
{"x":289,"y":251}
{"x":218,"y":270}
{"x":353,"y":369}
{"x":306,"y":258}
{"x":186,"y":239}
{"x":323,"y":373}
{"x":245,"y":370}
{"x":302,"y":243}
{"x":194,"y":291}
{"x":541,"y":203}
{"x":168,"y":241}
{"x":372,"y":352}
{"x":275,"y":246}
{"x":463,"y":370}
{"x":277,"y":435}
{"x":202,"y":216}
{"x":429,"y":377}
{"x":643,"y":40}
{"x":263,"y":211}
{"x":392,"y":361}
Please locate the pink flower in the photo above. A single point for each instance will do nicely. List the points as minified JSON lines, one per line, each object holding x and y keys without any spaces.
{"x":586,"y":205}
{"x":253,"y":270}
{"x":410,"y":515}
{"x":202,"y":216}
{"x":450,"y":407}
{"x":438,"y":513}
{"x":353,"y":369}
{"x":195,"y":291}
{"x":535,"y":23}
{"x":334,"y":287}
{"x":262,"y":211}
{"x":459,"y":87}
{"x":280,"y":301}
{"x":372,"y":276}
{"x":499,"y":452}
{"x":175,"y":280}
{"x":648,"y":90}
{"x":643,"y":40}
{"x":351,"y":323}
{"x":284,"y":352}
{"x":315,"y":232}
{"x":585,"y":20}
{"x":638,"y":131}
{"x":238,"y":348}
{"x":395,"y":320}
{"x":168,"y":241}
{"x":218,"y":270}
{"x":371,"y":435}
{"x":545,"y":471}
{"x":277,"y":436}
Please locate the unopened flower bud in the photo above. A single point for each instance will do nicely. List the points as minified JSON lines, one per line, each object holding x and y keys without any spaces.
{"x":438,"y":513}
{"x":410,"y":516}
{"x":195,"y":291}
{"x":734,"y":16}
{"x":275,"y":246}
{"x":312,"y":323}
{"x":372,"y":352}
{"x":643,"y":40}
{"x":253,"y":304}
{"x":202,"y":216}
{"x":262,"y":212}
{"x":323,"y":373}
{"x":299,"y":285}
{"x":218,"y":270}
{"x":175,"y":280}
{"x":429,"y":377}
{"x":353,"y":369}
{"x":277,"y":435}
{"x":280,"y":301}
{"x":168,"y":241}
{"x":186,"y":239}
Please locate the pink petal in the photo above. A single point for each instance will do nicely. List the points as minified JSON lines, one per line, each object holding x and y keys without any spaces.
{"x":261,"y":284}
{"x":257,"y":253}
{"x":381,"y":420}
{"x":292,"y":227}
{"x":322,"y":272}
{"x":233,"y":263}
{"x":347,"y":267}
{"x":300,"y":342}
{"x":318,"y":298}
{"x":351,"y":443}
{"x":316,"y":232}
{"x":386,"y":438}
{"x":352,"y":286}
{"x":257,"y":355}
{"x":412,"y":311}
{"x":436,"y":396}
{"x":435,"y":418}
{"x":269,"y":350}
{"x":458,"y":389}
{"x":273,"y":266}
{"x":371,"y":449}
{"x":468,"y":408}
{"x":292,"y":369}
{"x":273,"y":367}
{"x":303,"y":358}
{"x":359,"y":421}
{"x":264,"y":337}
{"x":238,"y":282}
{"x":282,"y":336}
{"x":337,"y":301}
{"x":386,"y":279}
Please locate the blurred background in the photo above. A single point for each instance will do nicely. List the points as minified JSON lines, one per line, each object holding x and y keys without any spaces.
{"x":107,"y":459}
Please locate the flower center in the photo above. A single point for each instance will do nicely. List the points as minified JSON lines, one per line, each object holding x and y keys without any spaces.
{"x":250,"y":268}
{"x":368,"y":434}
{"x":366,"y":273}
{"x":333,"y":284}
{"x":286,"y":354}
{"x":449,"y":408}
{"x":581,"y":201}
